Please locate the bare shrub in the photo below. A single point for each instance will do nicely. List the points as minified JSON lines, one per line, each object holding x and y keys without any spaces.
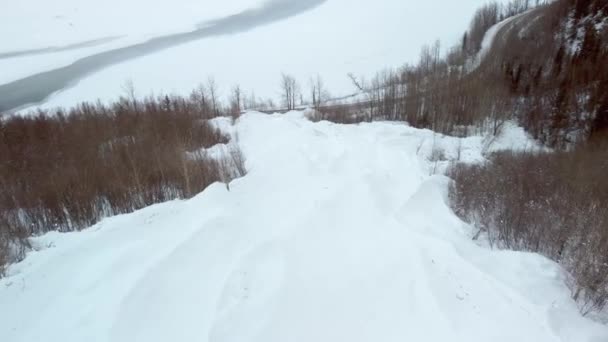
{"x":67,"y":169}
{"x":554,"y":204}
{"x":437,"y":154}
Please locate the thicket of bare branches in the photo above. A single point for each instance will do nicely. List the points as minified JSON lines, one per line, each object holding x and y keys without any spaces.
{"x":440,"y":91}
{"x":546,"y":69}
{"x":318,"y":93}
{"x":555,"y":204}
{"x":548,"y":72}
{"x":66,"y":170}
{"x":339,"y":113}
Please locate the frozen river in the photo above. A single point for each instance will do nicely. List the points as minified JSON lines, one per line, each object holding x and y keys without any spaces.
{"x":38,"y":87}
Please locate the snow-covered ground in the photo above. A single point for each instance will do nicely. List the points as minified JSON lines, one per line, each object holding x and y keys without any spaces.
{"x":337,"y":233}
{"x":332,"y":40}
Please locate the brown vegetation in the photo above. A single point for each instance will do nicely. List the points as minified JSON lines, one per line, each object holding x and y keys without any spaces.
{"x":555,"y":204}
{"x":546,"y":69}
{"x":66,"y":170}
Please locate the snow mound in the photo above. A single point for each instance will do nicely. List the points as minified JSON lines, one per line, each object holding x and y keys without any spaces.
{"x":337,"y":233}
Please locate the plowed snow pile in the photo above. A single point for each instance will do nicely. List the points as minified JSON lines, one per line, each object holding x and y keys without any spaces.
{"x":338,"y":233}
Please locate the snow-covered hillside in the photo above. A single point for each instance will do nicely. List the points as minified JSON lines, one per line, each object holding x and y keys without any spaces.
{"x":337,"y":233}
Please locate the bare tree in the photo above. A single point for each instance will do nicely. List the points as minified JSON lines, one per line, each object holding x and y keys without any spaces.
{"x":213,"y":94}
{"x":290,"y":90}
{"x":249,"y":101}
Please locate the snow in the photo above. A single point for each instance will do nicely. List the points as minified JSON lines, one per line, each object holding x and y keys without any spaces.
{"x":574,"y":40}
{"x":489,"y":38}
{"x":216,"y":152}
{"x":337,"y":233}
{"x":332,"y":40}
{"x":88,"y":23}
{"x":35,"y":24}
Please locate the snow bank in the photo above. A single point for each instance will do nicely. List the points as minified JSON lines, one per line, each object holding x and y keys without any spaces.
{"x":337,"y":233}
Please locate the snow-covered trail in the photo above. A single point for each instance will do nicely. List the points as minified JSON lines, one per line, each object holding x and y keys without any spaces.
{"x":37,"y":87}
{"x":498,"y":31}
{"x":338,"y":233}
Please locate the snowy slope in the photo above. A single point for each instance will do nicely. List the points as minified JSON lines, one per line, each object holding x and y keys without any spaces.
{"x":338,"y":233}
